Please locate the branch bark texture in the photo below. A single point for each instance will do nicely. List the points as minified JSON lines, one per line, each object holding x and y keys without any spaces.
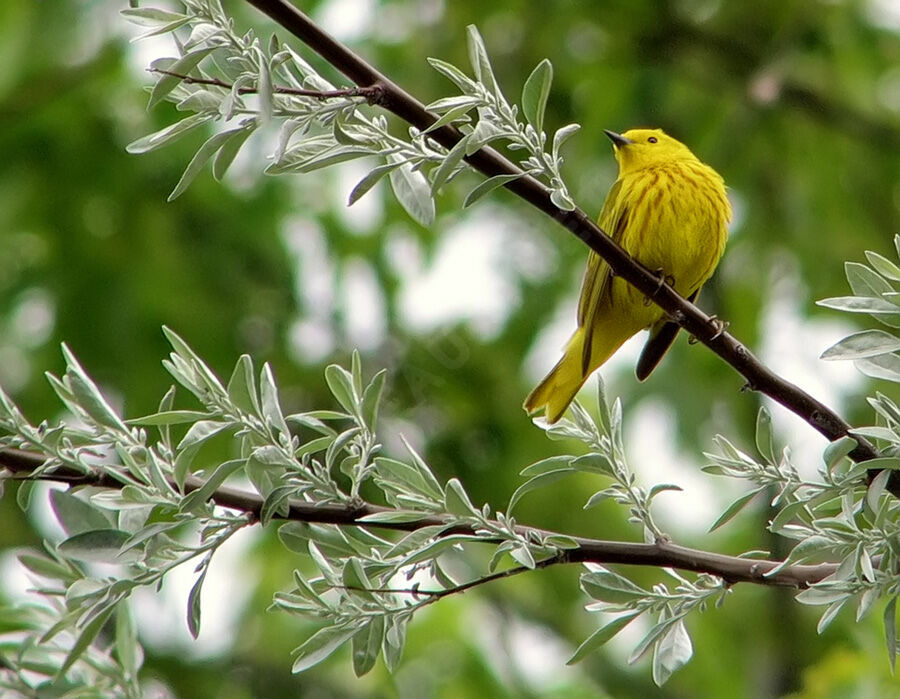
{"x":661,"y":554}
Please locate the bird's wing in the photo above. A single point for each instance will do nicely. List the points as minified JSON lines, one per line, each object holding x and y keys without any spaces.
{"x":662,"y":335}
{"x":613,"y":219}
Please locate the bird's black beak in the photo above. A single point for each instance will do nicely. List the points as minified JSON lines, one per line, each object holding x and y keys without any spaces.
{"x":618,"y":139}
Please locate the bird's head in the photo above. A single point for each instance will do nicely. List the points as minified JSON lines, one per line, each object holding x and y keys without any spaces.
{"x":639,"y":148}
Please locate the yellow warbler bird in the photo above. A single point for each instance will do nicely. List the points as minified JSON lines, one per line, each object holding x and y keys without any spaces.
{"x":669,"y":211}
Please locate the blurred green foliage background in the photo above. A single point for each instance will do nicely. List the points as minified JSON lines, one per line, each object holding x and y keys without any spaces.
{"x":796,"y":103}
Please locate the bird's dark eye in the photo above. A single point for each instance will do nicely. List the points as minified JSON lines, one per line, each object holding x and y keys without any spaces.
{"x":652,"y":139}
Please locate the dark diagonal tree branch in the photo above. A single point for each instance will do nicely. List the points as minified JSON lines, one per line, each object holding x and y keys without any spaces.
{"x":490,"y":163}
{"x":660,"y":554}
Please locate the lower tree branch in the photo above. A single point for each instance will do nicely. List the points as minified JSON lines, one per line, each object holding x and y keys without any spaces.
{"x":489,"y":162}
{"x":660,"y":554}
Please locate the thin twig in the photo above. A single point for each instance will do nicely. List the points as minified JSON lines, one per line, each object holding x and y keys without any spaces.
{"x":372,"y":94}
{"x":660,"y":554}
{"x":434,"y":595}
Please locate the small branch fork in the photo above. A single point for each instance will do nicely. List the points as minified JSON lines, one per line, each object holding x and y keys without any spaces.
{"x":660,"y":554}
{"x":489,"y":162}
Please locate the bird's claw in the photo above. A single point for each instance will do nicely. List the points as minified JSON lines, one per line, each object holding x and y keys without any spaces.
{"x":661,"y":280}
{"x":720,"y":326}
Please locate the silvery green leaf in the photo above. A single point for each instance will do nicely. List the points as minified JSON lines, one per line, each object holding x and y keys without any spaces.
{"x":206,"y":151}
{"x":859,"y":304}
{"x":456,"y":500}
{"x":265,"y":90}
{"x":314,"y":445}
{"x":538,"y":481}
{"x":148,"y":532}
{"x":170,"y":417}
{"x":864,"y":282}
{"x":651,"y":638}
{"x":488,"y":186}
{"x":89,"y":632}
{"x":366,"y":644}
{"x":448,"y":70}
{"x":98,"y":546}
{"x":276,"y":503}
{"x":87,"y":395}
{"x":604,"y":585}
{"x":876,"y":432}
{"x":765,"y":441}
{"x":446,"y":104}
{"x":338,"y":444}
{"x":522,"y":555}
{"x":392,"y":517}
{"x":549,"y":464}
{"x":876,"y":489}
{"x":201,"y":431}
{"x":601,"y":636}
{"x":662,"y":488}
{"x":322,"y":644}
{"x":561,"y":199}
{"x":561,"y":136}
{"x":340,"y":383}
{"x":867,"y":343}
{"x":435,"y":548}
{"x":332,"y":156}
{"x":866,"y":600}
{"x":821,"y":595}
{"x":414,"y":193}
{"x":890,"y":620}
{"x":485,"y":131}
{"x":458,"y":114}
{"x":535,"y":93}
{"x":885,"y":407}
{"x":829,"y":615}
{"x":270,"y":403}
{"x":883,"y":266}
{"x":481,"y":64}
{"x":191,"y":359}
{"x":370,"y":180}
{"x":884,"y":366}
{"x":394,"y":640}
{"x":193,"y":608}
{"x":404,"y":476}
{"x":45,"y":567}
{"x":152,"y":17}
{"x":147,"y":19}
{"x":230,"y":148}
{"x":242,"y":386}
{"x":197,"y":101}
{"x":443,"y":172}
{"x":371,"y":400}
{"x":356,"y":372}
{"x":212,"y":483}
{"x":671,"y":652}
{"x":837,"y":450}
{"x":734,"y":508}
{"x":76,"y":515}
{"x":127,"y":648}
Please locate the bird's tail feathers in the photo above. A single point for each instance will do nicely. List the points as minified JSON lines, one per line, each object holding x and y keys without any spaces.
{"x":559,"y":387}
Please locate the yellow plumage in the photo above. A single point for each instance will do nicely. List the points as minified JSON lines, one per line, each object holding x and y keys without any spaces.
{"x":669,"y":211}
